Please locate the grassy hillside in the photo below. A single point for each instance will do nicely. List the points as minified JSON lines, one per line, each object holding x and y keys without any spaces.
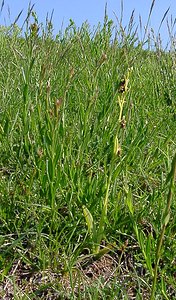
{"x":87,"y":143}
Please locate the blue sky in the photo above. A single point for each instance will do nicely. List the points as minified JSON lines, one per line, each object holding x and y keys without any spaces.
{"x":92,"y":11}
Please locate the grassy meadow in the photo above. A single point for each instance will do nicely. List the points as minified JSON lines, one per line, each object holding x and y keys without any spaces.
{"x":87,"y":164}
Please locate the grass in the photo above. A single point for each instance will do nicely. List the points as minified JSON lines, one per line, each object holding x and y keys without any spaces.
{"x":87,"y":166}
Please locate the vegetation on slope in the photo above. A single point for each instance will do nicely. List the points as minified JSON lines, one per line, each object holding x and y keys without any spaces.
{"x":87,"y":167}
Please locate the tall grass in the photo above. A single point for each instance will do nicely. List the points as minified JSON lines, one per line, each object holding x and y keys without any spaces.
{"x":87,"y":137}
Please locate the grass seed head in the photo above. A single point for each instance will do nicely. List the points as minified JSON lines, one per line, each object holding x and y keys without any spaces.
{"x":48,"y":86}
{"x":34,"y":29}
{"x":58,"y":104}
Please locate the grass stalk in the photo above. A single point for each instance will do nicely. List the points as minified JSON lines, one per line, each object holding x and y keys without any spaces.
{"x":171,"y":178}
